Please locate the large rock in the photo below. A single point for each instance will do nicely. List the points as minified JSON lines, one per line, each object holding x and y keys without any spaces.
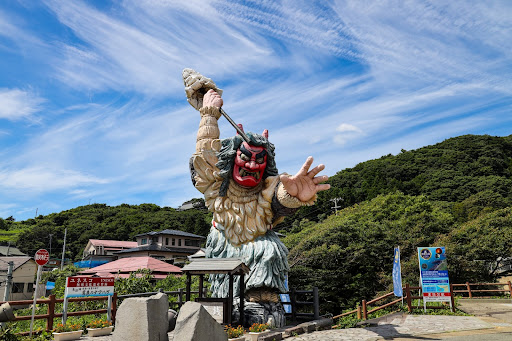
{"x":142,"y":319}
{"x":196,"y":324}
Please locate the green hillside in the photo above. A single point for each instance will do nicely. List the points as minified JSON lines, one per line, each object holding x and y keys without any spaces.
{"x":456,"y":193}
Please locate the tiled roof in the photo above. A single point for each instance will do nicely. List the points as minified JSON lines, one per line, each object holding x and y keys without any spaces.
{"x":147,"y":247}
{"x":12,"y":251}
{"x":131,"y":264}
{"x":171,"y":232}
{"x":18,"y":261}
{"x":112,"y":243}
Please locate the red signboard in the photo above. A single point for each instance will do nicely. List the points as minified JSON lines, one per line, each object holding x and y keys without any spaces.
{"x":42,"y":257}
{"x":436,"y":294}
{"x":78,"y":286}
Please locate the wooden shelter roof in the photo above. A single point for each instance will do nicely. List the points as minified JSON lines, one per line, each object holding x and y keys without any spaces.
{"x":201,"y":266}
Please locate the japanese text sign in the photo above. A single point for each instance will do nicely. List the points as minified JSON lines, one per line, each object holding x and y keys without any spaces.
{"x":78,"y":286}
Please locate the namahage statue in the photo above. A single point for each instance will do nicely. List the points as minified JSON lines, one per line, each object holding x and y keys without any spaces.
{"x":248,"y":197}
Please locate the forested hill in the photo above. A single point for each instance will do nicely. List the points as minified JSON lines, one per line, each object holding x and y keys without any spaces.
{"x":468,"y":167}
{"x":456,"y":194}
{"x":99,"y":221}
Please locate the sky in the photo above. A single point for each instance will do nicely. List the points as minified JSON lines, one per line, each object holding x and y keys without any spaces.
{"x":93,"y":108}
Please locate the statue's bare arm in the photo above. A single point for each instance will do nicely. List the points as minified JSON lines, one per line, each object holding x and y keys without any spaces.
{"x":208,"y":133}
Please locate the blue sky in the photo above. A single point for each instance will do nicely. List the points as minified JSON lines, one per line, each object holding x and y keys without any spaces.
{"x":92,"y":106}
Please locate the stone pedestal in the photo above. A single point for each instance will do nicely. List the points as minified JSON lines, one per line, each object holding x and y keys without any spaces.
{"x":262,"y":312}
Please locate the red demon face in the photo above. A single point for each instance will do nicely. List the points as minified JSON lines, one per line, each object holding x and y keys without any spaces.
{"x":250,"y":164}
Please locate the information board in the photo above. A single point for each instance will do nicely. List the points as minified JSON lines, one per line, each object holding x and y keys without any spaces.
{"x":77,"y":286}
{"x":434,"y":274}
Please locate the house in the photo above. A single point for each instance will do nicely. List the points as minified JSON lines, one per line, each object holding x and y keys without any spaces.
{"x":23,"y":277}
{"x":125,"y":266}
{"x":166,"y":244}
{"x":8,"y":250}
{"x":99,"y":250}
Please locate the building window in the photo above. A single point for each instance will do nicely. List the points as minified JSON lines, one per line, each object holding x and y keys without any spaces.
{"x":166,"y":241}
{"x":189,"y":242}
{"x":173,"y":242}
{"x":144,"y":241}
{"x":30,"y":287}
{"x":179,"y":242}
{"x":17,"y":287}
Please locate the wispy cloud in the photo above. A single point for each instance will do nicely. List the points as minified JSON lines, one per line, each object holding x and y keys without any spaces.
{"x":344,"y":81}
{"x":16,"y":104}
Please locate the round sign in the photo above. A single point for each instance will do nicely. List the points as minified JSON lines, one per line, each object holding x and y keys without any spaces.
{"x":42,"y":257}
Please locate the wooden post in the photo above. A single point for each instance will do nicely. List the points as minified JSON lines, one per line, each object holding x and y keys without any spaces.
{"x":469,"y":290}
{"x":510,"y":288}
{"x":293,"y":304}
{"x":51,"y":313}
{"x":180,"y":297}
{"x":316,"y":303}
{"x":188,"y":283}
{"x":365,"y":312}
{"x":230,"y":299}
{"x":201,"y":279}
{"x":242,"y":297}
{"x":114,"y":308}
{"x":359,"y":312}
{"x":408,"y":297}
{"x":452,"y":300}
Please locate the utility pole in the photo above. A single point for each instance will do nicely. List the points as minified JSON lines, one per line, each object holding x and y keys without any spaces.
{"x":50,"y":245}
{"x":63,"y":249}
{"x":10,"y":266}
{"x":8,"y":249}
{"x":335,"y":201}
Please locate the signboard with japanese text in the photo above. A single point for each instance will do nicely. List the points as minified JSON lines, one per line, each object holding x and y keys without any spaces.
{"x":434,"y":274}
{"x":78,"y":286}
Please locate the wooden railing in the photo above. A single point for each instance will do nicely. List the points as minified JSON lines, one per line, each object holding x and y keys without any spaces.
{"x":51,"y":314}
{"x":471,"y":292}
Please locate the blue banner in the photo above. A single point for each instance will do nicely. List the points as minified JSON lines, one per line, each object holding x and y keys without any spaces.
{"x":397,"y":274}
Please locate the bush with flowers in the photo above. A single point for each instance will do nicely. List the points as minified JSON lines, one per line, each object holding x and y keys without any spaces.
{"x":99,"y":324}
{"x":234,"y":332}
{"x":258,"y":327}
{"x":62,"y":328}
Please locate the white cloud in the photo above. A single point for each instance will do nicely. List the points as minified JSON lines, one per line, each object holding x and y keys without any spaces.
{"x":346,"y":128}
{"x":16,"y":104}
{"x":45,"y":179}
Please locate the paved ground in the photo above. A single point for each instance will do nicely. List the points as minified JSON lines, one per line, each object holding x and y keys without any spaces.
{"x":492,"y":322}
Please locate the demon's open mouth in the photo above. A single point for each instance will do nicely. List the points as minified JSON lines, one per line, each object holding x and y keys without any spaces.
{"x":244,"y":172}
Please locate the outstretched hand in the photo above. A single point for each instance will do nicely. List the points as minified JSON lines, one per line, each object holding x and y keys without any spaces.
{"x":304,"y":185}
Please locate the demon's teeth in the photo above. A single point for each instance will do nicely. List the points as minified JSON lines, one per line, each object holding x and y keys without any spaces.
{"x":257,"y":175}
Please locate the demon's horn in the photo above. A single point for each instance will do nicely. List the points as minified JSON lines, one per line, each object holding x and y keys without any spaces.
{"x":265,"y":133}
{"x":241,"y":128}
{"x":196,"y":85}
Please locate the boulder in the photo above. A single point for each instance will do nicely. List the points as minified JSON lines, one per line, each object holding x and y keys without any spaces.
{"x":194,"y":323}
{"x":142,"y":319}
